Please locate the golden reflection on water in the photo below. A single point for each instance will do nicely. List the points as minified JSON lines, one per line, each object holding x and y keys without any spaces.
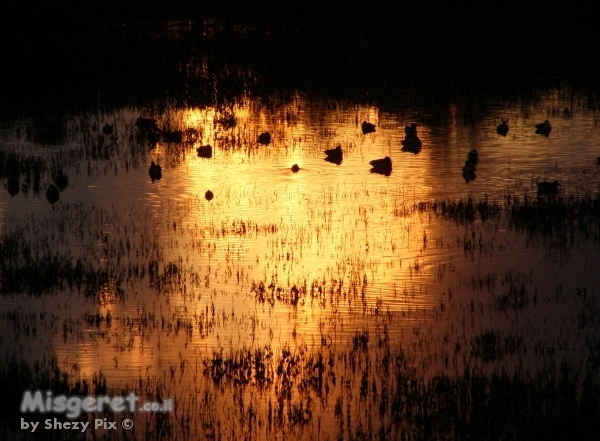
{"x":247,"y":268}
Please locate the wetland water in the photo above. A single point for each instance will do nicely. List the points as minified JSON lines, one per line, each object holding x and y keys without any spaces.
{"x":331,"y":303}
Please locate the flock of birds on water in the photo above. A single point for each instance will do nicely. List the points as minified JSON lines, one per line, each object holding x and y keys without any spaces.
{"x":410,"y":143}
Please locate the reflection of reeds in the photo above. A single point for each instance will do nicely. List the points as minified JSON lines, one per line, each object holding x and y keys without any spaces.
{"x":289,"y":391}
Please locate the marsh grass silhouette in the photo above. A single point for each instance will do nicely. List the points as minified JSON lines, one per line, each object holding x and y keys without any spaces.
{"x":292,"y":385}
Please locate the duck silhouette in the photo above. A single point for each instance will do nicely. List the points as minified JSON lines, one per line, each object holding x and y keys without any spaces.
{"x":61,"y":180}
{"x":334,"y":155}
{"x":204,"y":151}
{"x":502,"y":128}
{"x":367,"y":127}
{"x":209,"y":195}
{"x":107,"y":129}
{"x":468,"y":175}
{"x":13,"y":186}
{"x":155,"y":171}
{"x":473,"y":157}
{"x":264,"y":138}
{"x":410,"y":131}
{"x":295,"y":168}
{"x":468,"y":167}
{"x":412,"y":145}
{"x":543,"y":128}
{"x":52,"y":194}
{"x":548,"y":188}
{"x":598,"y":160}
{"x":382,"y":166}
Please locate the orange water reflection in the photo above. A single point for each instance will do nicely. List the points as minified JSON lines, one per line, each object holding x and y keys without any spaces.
{"x":306,"y":259}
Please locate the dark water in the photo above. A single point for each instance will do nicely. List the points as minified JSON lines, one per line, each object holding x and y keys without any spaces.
{"x":329,"y":303}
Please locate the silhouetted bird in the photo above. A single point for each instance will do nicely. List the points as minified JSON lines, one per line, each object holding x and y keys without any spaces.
{"x":468,"y":167}
{"x":548,"y":188}
{"x":335,"y":155}
{"x":502,"y":128}
{"x":382,"y":166}
{"x":367,"y":127}
{"x":204,"y":151}
{"x":598,"y":160}
{"x":13,"y":186}
{"x":295,"y":168}
{"x":468,"y":175}
{"x":264,"y":138}
{"x":336,"y":161}
{"x":543,"y":128}
{"x":107,"y":129}
{"x":209,"y":195}
{"x":155,"y":171}
{"x":61,"y":180}
{"x":473,"y":157}
{"x":52,"y":194}
{"x":412,"y":145}
{"x":410,"y":131}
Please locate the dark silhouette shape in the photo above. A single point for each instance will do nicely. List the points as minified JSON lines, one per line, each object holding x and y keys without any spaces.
{"x":204,"y":151}
{"x":336,"y":161}
{"x":155,"y":171}
{"x":598,"y":160}
{"x":413,"y":145}
{"x":411,"y":142}
{"x":468,"y":175}
{"x":410,"y":131}
{"x":61,"y":180}
{"x":382,"y":166}
{"x":543,"y":128}
{"x":173,"y":137}
{"x":295,"y":168}
{"x":334,"y":155}
{"x":264,"y":138}
{"x":473,"y":157}
{"x":52,"y":194}
{"x":146,"y":124}
{"x":107,"y":129}
{"x":502,"y":128}
{"x":548,"y":188}
{"x":367,"y":127}
{"x":209,"y":195}
{"x":13,"y":186}
{"x":468,"y":167}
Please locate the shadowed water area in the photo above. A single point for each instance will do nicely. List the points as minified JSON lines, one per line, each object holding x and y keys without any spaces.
{"x":335,"y":300}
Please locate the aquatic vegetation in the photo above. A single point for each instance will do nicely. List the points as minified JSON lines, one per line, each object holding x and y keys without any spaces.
{"x":172,"y":137}
{"x":331,"y":304}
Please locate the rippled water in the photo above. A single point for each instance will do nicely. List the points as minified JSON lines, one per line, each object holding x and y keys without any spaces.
{"x":309,"y":260}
